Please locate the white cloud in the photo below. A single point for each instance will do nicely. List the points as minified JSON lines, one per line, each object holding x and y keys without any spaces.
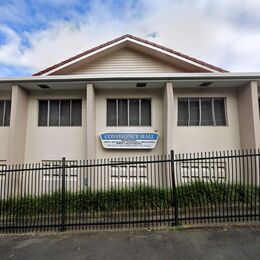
{"x":11,"y":47}
{"x":223,"y":33}
{"x":13,"y":10}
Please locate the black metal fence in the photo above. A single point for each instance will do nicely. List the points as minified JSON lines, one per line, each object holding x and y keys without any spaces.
{"x":131,"y":192}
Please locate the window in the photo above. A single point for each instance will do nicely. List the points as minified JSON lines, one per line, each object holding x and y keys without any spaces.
{"x":128,"y":112}
{"x":124,"y":173}
{"x":3,"y":167}
{"x":67,"y":112}
{"x":203,"y":171}
{"x":201,"y":112}
{"x":53,"y":171}
{"x":5,"y":111}
{"x":58,"y":163}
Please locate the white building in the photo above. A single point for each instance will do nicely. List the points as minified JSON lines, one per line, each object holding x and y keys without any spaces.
{"x":134,"y":92}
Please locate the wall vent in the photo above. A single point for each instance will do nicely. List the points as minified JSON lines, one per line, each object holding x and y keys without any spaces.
{"x":141,"y":85}
{"x":205,"y":84}
{"x":43,"y":86}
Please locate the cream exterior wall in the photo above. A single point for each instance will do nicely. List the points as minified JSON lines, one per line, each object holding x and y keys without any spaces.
{"x":4,"y":131}
{"x":122,"y":61}
{"x":52,"y":143}
{"x":168,"y":118}
{"x":249,"y":115}
{"x":207,"y":138}
{"x":18,"y":125}
{"x":257,"y":117}
{"x":91,"y":119}
{"x":157,"y":121}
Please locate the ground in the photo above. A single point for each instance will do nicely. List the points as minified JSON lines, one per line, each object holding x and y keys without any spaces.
{"x":221,"y":243}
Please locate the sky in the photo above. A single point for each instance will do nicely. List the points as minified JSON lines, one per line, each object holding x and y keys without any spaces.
{"x":35,"y":34}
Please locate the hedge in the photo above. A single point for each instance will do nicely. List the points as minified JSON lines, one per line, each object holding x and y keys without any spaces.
{"x":141,"y":197}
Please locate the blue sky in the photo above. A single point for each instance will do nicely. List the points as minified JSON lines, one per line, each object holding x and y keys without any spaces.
{"x":35,"y":34}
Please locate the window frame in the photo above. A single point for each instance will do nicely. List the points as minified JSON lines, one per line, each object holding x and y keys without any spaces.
{"x":121,"y":173}
{"x":128,"y":112}
{"x":212,"y":110}
{"x":4,"y":113}
{"x":48,"y":112}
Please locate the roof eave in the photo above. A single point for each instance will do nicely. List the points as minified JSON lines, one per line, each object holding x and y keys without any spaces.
{"x":135,"y":77}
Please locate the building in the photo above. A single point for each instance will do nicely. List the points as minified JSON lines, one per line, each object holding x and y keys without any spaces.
{"x":127,"y":97}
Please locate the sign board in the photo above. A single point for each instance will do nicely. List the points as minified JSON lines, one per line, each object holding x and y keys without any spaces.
{"x":129,"y":139}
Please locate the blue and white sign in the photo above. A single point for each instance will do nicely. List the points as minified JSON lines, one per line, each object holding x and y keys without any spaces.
{"x":129,"y":139}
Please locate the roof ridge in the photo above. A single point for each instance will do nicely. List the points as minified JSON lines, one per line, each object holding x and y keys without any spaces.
{"x":119,"y":39}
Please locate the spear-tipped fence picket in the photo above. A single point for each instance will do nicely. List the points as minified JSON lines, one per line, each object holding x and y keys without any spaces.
{"x":174,"y":189}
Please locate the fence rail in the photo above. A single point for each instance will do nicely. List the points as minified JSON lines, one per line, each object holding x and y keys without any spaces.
{"x":131,"y":192}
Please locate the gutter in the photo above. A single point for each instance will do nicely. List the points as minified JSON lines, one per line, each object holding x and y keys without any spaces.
{"x":135,"y":77}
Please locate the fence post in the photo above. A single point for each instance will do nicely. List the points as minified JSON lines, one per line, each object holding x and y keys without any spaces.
{"x":63,"y":194}
{"x":174,"y":192}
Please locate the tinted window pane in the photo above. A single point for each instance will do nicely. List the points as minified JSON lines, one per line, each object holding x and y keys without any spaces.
{"x":145,"y":112}
{"x":206,"y":112}
{"x":65,"y":112}
{"x":7,"y":112}
{"x":194,"y":112}
{"x":111,"y":112}
{"x":122,"y":112}
{"x":219,"y":110}
{"x":43,"y":113}
{"x":1,"y":112}
{"x":133,"y":112}
{"x":76,"y":113}
{"x":183,"y":113}
{"x":54,"y":113}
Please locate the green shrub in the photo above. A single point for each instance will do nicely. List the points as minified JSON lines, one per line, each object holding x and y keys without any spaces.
{"x":142,"y":197}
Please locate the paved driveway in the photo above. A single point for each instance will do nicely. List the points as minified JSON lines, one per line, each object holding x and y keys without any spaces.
{"x":230,"y":243}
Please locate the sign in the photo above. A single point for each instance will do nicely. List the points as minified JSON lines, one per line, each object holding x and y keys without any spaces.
{"x":129,"y":139}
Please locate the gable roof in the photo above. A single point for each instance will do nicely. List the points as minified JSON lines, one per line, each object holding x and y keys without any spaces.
{"x":124,"y":38}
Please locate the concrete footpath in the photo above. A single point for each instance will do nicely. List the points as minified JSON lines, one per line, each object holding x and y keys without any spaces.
{"x":222,"y":243}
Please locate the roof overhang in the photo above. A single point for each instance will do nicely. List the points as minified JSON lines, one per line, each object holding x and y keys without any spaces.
{"x":184,"y":80}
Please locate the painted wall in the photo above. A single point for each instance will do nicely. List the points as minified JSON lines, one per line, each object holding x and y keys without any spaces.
{"x":18,"y":125}
{"x":257,"y":117}
{"x":91,"y":117}
{"x":122,"y":61}
{"x":52,"y":143}
{"x":207,"y":138}
{"x":4,"y":131}
{"x":157,"y":120}
{"x":168,"y":117}
{"x":249,"y":115}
